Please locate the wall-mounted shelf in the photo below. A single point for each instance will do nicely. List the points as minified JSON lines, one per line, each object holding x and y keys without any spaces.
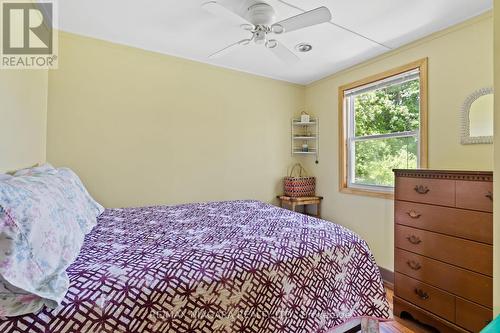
{"x":299,"y":123}
{"x":304,"y":152}
{"x":305,"y":138}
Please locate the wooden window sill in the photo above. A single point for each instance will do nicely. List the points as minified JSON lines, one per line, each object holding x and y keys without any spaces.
{"x":368,"y":193}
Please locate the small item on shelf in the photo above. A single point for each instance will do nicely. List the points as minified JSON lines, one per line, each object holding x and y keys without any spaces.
{"x":305,"y":147}
{"x":299,"y":185}
{"x":304,"y":117}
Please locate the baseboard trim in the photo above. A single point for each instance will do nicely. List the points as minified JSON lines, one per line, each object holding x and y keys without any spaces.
{"x":387,"y":277}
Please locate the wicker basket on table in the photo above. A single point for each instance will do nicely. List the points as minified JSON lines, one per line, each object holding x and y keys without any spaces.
{"x":298,"y":184}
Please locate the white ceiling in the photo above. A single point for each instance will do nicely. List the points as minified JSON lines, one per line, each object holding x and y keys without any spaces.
{"x":182,"y":28}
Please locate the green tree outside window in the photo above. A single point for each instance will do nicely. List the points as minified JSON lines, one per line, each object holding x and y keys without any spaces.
{"x":390,"y":110}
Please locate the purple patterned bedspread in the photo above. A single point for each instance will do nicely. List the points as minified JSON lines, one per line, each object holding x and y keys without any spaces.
{"x":241,"y":266}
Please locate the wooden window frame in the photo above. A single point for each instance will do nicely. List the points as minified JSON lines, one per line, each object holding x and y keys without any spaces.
{"x":422,"y":65}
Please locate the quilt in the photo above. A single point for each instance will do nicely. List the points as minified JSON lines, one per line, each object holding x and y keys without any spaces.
{"x":236,"y":266}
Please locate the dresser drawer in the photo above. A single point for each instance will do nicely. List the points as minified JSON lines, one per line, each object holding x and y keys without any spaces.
{"x":471,"y":316}
{"x":462,"y":223}
{"x":432,"y":191}
{"x":472,"y":286}
{"x":475,"y":195}
{"x":425,"y":296}
{"x":467,"y":254}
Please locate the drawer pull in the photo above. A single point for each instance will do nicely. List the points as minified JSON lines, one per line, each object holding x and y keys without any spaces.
{"x":414,"y":239}
{"x":489,"y":196}
{"x":420,"y":189}
{"x":413,"y":265}
{"x":413,"y":214}
{"x":421,"y":294}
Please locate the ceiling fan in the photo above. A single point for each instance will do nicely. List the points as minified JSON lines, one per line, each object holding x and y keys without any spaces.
{"x":259,"y":19}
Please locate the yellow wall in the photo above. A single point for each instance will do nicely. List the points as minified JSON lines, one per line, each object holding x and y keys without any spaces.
{"x":460,"y":61}
{"x":23,"y":118}
{"x":496,"y":213}
{"x":142,"y":128}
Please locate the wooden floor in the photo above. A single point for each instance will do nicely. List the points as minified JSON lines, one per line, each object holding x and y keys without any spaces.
{"x":398,"y":325}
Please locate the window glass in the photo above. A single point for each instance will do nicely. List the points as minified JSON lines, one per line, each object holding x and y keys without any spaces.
{"x":383,"y":128}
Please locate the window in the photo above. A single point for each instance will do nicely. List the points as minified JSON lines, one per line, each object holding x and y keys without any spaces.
{"x":383,"y":127}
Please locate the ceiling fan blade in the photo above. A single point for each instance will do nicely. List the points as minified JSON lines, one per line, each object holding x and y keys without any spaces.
{"x":219,"y":10}
{"x":283,"y":53}
{"x":307,"y":19}
{"x":229,"y":48}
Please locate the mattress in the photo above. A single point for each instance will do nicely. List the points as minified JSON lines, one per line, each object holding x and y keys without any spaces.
{"x":239,"y":266}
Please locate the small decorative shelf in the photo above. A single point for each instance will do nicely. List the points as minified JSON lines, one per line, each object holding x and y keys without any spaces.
{"x":304,"y":152}
{"x":305,"y":137}
{"x":297,"y":122}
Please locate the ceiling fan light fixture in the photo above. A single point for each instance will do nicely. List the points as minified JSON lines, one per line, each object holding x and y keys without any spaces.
{"x":247,"y":27}
{"x":277,"y":29}
{"x":259,"y":19}
{"x":271,"y":44}
{"x":259,"y":37}
{"x":303,"y":47}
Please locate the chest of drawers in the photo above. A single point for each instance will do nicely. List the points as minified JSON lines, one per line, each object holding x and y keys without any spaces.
{"x":443,"y":255}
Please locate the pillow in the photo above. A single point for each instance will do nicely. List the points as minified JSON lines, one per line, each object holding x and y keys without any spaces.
{"x":44,"y":168}
{"x":28,"y":171}
{"x":43,"y":220}
{"x":4,"y":176}
{"x":81,"y":199}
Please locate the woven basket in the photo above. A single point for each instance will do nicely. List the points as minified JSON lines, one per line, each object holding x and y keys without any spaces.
{"x":301,"y":185}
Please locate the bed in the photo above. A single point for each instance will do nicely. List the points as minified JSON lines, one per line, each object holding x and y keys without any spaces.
{"x":239,"y":266}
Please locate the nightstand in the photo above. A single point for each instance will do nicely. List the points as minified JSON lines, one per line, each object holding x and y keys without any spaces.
{"x":293,"y":202}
